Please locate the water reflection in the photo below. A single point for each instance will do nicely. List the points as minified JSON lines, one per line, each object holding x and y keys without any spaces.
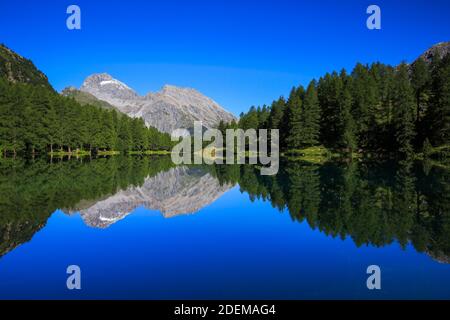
{"x":372,"y":203}
{"x":180,"y":190}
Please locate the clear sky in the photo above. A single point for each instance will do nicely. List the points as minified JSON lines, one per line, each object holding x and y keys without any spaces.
{"x":240,"y":53}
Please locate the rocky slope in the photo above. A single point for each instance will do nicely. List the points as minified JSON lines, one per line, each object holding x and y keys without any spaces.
{"x":440,"y":49}
{"x":169,"y":109}
{"x":181,"y":190}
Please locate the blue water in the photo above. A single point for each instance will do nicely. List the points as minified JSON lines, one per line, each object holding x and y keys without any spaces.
{"x":231,"y":249}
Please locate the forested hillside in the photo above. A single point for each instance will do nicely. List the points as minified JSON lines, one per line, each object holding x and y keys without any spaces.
{"x":85,"y":98}
{"x":16,"y":68}
{"x":376,"y":110}
{"x":35,"y":119}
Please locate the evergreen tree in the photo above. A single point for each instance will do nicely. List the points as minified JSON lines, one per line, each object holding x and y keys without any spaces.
{"x":420,"y":82}
{"x":138,"y":134}
{"x":347,"y":137}
{"x":403,"y":112}
{"x":276,"y":113}
{"x":438,"y":122}
{"x":329,"y":89}
{"x":420,"y":78}
{"x":124,"y":136}
{"x":249,"y":120}
{"x":107,"y":135}
{"x":364,"y":99}
{"x":11,"y":118}
{"x":294,"y":136}
{"x":311,"y":116}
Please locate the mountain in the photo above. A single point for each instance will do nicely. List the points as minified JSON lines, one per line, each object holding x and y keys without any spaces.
{"x":181,"y":190}
{"x":169,"y":109}
{"x":17,"y":69}
{"x":85,"y":98}
{"x":440,"y":49}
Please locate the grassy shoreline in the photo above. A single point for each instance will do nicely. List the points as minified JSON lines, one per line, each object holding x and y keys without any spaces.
{"x":106,"y":153}
{"x":315,"y":154}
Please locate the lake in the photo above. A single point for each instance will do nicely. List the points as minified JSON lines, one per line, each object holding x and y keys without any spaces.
{"x":143,"y":228}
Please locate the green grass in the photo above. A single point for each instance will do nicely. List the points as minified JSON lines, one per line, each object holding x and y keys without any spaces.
{"x":108,"y":153}
{"x":66,"y":153}
{"x":157,"y":152}
{"x":317,"y":154}
{"x":150,"y":152}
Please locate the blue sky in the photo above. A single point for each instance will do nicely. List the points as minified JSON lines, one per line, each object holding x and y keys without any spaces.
{"x":240,"y":53}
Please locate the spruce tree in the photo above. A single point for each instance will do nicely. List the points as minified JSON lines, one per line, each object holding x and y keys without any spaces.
{"x":124,"y":137}
{"x":439,"y":112}
{"x":328,"y":91}
{"x":420,"y":78}
{"x":403,"y":105}
{"x":420,"y":81}
{"x":276,"y":113}
{"x":294,"y":121}
{"x":311,"y":116}
{"x":364,"y":93}
{"x":347,"y":137}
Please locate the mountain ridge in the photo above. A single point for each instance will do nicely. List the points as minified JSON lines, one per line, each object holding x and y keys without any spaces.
{"x":440,"y":49}
{"x":169,"y":109}
{"x":178,"y":191}
{"x":17,"y":69}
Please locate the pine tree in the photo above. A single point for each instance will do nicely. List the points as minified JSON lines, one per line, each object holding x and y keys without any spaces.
{"x":311,"y":116}
{"x":347,"y":137}
{"x":137,"y":134}
{"x":263,"y":117}
{"x":249,"y":120}
{"x":328,"y":91}
{"x":276,"y":113}
{"x":107,"y":139}
{"x":420,"y":81}
{"x":439,"y":112}
{"x":294,"y":121}
{"x":403,"y":104}
{"x":12,"y":107}
{"x":364,"y":93}
{"x":96,"y":130}
{"x":420,"y":78}
{"x":124,"y":136}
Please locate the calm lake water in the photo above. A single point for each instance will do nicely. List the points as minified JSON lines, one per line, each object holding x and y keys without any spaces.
{"x":143,"y":228}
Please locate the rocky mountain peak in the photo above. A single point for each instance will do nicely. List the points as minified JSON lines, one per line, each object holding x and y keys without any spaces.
{"x":103,"y":85}
{"x":167,"y":110}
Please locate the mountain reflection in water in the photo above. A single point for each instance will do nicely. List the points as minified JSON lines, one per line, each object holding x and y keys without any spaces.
{"x":373,"y":203}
